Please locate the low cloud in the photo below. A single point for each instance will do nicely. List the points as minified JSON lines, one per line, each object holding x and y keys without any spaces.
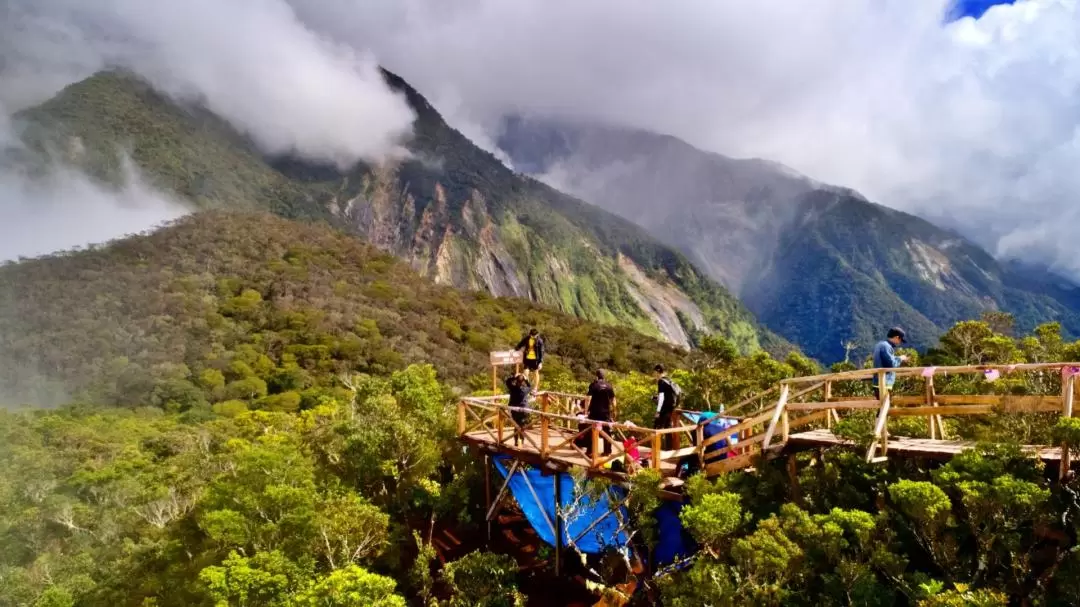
{"x":250,"y":61}
{"x":56,"y":207}
{"x":970,"y":122}
{"x":66,"y":209}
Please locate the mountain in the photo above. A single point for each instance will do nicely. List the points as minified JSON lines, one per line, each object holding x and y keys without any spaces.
{"x":818,"y":264}
{"x":245,"y":296}
{"x":456,"y":213}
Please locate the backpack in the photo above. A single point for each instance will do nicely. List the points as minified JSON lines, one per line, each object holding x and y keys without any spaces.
{"x":676,"y":389}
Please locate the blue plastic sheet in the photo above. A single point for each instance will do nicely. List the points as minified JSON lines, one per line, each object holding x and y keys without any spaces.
{"x":674,"y":543}
{"x":604,"y":534}
{"x":714,"y":427}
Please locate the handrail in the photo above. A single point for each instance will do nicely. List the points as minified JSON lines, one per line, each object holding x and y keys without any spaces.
{"x":863,"y":374}
{"x":803,"y":401}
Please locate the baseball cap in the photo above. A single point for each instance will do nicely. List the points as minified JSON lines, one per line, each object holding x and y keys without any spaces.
{"x":897,"y":332}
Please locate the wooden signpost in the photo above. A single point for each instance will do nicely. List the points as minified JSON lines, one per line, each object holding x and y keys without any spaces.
{"x":504,"y":359}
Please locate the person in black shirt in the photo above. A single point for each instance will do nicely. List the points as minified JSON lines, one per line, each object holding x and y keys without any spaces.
{"x":600,"y":403}
{"x":518,"y":386}
{"x":667,"y":397}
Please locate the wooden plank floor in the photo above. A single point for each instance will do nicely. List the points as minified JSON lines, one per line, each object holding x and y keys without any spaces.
{"x":913,"y":447}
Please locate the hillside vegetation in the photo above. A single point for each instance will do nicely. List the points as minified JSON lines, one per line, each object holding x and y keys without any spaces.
{"x":335,"y":502}
{"x":250,"y":310}
{"x":263,"y":416}
{"x":452,"y":210}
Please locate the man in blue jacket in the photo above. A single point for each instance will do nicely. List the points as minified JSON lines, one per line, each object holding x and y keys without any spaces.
{"x":885,"y":357}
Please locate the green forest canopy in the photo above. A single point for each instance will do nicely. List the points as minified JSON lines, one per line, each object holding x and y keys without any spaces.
{"x":241,"y":436}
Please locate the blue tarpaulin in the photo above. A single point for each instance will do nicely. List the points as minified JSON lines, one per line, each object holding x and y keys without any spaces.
{"x":674,"y":543}
{"x":714,"y":427}
{"x":602,"y":535}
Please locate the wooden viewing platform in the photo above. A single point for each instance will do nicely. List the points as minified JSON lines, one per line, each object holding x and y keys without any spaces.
{"x":796,"y":414}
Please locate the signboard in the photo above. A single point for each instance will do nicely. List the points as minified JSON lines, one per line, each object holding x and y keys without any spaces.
{"x":509,"y":357}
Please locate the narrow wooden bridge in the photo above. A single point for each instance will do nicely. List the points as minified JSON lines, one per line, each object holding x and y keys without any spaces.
{"x":796,"y":414}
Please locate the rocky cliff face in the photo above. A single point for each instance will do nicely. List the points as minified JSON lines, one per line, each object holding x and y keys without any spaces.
{"x":452,"y":210}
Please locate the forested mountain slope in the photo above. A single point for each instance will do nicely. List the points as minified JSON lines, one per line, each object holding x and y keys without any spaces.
{"x":818,"y":264}
{"x":452,"y":210}
{"x":246,"y":306}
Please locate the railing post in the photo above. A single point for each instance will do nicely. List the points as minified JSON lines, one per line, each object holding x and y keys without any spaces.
{"x":499,"y":422}
{"x":545,"y":423}
{"x":699,"y":438}
{"x":544,"y":435}
{"x":932,"y":402}
{"x":781,"y":406}
{"x":829,"y":413}
{"x":655,"y":447}
{"x":595,"y":438}
{"x":880,"y":438}
{"x":1067,"y":394}
{"x":461,"y":418}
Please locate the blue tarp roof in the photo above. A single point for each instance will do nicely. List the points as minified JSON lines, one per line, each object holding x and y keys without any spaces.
{"x":603,"y":535}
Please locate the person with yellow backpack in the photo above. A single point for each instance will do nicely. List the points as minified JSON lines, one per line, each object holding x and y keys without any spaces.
{"x":533,"y":347}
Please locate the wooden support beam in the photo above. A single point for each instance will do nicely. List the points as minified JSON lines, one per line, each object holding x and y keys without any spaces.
{"x":793,"y":478}
{"x":493,"y":506}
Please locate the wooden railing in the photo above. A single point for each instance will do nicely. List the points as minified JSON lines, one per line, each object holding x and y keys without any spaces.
{"x":810,"y":400}
{"x":766,"y":420}
{"x":552,"y":431}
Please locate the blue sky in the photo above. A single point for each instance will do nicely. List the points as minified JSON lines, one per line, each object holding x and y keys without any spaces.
{"x":974,"y":8}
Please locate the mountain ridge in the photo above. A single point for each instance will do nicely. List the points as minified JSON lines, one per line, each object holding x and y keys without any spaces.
{"x":819,"y":264}
{"x":452,"y":210}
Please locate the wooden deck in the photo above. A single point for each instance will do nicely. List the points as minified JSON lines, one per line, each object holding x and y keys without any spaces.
{"x":900,"y":446}
{"x":796,"y":414}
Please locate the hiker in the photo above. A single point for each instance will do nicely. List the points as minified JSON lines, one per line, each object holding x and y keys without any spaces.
{"x":885,"y":358}
{"x":517,"y":385}
{"x":600,"y":404}
{"x":667,"y":399}
{"x":533,"y":346}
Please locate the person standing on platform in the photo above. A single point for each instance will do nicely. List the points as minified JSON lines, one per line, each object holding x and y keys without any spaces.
{"x":517,"y":385}
{"x":600,"y":403}
{"x":533,"y":347}
{"x":667,"y":399}
{"x":885,"y":358}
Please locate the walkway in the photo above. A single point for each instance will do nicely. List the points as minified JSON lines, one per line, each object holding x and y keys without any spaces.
{"x":796,"y":414}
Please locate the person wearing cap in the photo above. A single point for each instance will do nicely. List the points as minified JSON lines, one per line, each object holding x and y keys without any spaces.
{"x":885,"y":357}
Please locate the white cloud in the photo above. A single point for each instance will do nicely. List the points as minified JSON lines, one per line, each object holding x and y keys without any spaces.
{"x":63,"y":208}
{"x":250,"y":61}
{"x":973,"y":122}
